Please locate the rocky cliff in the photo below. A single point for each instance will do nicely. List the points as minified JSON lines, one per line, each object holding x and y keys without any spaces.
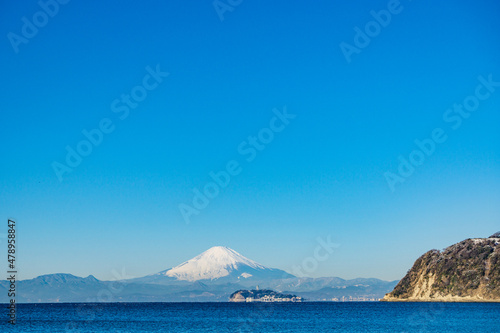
{"x":468,"y":271}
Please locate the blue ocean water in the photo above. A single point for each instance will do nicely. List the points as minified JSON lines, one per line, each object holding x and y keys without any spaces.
{"x":256,"y":317}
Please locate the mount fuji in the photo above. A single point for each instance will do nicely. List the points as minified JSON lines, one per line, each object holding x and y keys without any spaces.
{"x":210,"y":276}
{"x":218,"y":265}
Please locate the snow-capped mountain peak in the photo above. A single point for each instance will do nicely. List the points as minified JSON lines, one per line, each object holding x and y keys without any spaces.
{"x":214,"y":263}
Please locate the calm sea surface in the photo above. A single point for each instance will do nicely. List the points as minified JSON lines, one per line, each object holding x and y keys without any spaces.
{"x":256,"y":317}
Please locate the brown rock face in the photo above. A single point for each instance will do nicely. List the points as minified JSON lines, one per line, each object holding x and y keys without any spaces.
{"x":468,"y":271}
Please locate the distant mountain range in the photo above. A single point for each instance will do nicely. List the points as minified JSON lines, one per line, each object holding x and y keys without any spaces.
{"x":211,"y":276}
{"x":468,"y":271}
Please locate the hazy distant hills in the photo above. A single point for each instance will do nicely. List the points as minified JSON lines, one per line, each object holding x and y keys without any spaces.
{"x":468,"y":271}
{"x":211,"y":276}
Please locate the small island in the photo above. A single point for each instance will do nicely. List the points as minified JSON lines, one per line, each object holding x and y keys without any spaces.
{"x":262,"y":296}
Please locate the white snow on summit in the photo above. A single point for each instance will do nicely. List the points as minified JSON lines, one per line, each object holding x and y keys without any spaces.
{"x":214,"y":263}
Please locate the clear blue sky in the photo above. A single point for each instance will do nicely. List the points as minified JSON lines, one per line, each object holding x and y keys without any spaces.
{"x":322,"y":175}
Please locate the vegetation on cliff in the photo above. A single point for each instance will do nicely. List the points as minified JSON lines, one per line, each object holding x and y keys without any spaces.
{"x":469,"y":270}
